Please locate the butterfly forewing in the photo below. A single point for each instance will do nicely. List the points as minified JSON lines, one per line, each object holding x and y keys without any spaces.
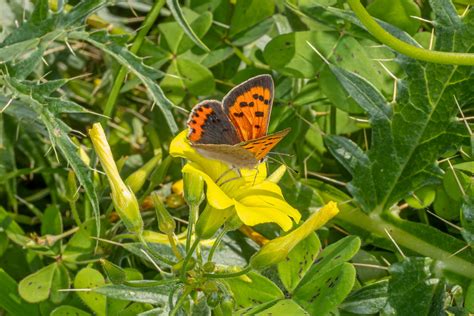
{"x":249,"y":105}
{"x":208,"y":124}
{"x":260,"y":147}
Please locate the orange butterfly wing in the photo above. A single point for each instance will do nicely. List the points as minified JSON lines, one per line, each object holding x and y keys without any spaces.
{"x":249,"y":105}
{"x":260,"y":147}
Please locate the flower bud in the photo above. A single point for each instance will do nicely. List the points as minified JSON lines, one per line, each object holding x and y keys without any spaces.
{"x":137,"y":179}
{"x":166,"y":223}
{"x":71,"y":189}
{"x":125,"y":201}
{"x":278,"y":249}
{"x":276,"y":176}
{"x":193,"y":189}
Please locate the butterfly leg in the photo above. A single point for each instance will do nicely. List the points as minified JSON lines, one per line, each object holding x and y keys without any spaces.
{"x":231,"y":179}
{"x":226,"y":173}
{"x":256,"y":174}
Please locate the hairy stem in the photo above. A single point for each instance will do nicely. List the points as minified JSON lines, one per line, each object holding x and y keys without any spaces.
{"x":386,"y":38}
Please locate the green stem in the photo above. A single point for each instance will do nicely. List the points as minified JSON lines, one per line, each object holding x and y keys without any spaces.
{"x":216,"y":244}
{"x":386,"y":38}
{"x":75,"y":214}
{"x":379,"y":225}
{"x":174,"y":247}
{"x":154,"y":253}
{"x":180,"y":301}
{"x":193,"y":215}
{"x":332,"y":120}
{"x":145,"y":27}
{"x":189,"y":254}
{"x":245,"y":270}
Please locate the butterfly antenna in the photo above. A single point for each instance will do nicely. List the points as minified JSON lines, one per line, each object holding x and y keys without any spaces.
{"x":282,"y":162}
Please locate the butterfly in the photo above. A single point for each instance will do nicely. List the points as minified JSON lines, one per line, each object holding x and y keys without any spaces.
{"x":235,"y":131}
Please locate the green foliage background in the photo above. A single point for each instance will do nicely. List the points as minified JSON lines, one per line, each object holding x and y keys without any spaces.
{"x":387,"y":137}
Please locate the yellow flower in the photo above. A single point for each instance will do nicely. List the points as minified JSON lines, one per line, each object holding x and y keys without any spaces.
{"x":277,"y":249}
{"x":250,"y":196}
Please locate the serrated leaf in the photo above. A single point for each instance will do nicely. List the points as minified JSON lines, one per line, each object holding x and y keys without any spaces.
{"x":407,"y":140}
{"x":15,"y":50}
{"x":123,"y":56}
{"x":32,"y":94}
{"x":411,"y":287}
{"x":52,"y":27}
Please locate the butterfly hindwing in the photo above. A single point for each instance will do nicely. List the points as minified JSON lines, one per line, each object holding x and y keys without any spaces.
{"x":208,"y":124}
{"x":260,"y":147}
{"x":249,"y":105}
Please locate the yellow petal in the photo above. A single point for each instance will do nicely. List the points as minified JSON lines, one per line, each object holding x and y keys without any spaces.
{"x":254,"y":215}
{"x":254,"y":176}
{"x":264,"y":199}
{"x":215,"y":196}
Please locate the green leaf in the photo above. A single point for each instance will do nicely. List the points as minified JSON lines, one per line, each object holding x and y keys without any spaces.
{"x":469,"y":303}
{"x":10,"y":301}
{"x":146,"y":294}
{"x":291,"y":55}
{"x":284,"y":307}
{"x":115,"y":273}
{"x":253,"y":289}
{"x":326,"y":290}
{"x":81,"y":245}
{"x":35,"y":95}
{"x":60,"y":281}
{"x":52,"y":221}
{"x":397,"y":12}
{"x":89,"y":278}
{"x":446,"y":207}
{"x":66,"y":310}
{"x":369,"y":299}
{"x":123,"y":56}
{"x":190,"y":77}
{"x":457,"y":184}
{"x":333,"y":255}
{"x":421,"y":198}
{"x":248,"y":13}
{"x":411,"y":287}
{"x":37,"y":286}
{"x":175,"y":9}
{"x":40,"y":12}
{"x":407,"y":141}
{"x":467,"y":219}
{"x":15,"y":50}
{"x":298,"y":261}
